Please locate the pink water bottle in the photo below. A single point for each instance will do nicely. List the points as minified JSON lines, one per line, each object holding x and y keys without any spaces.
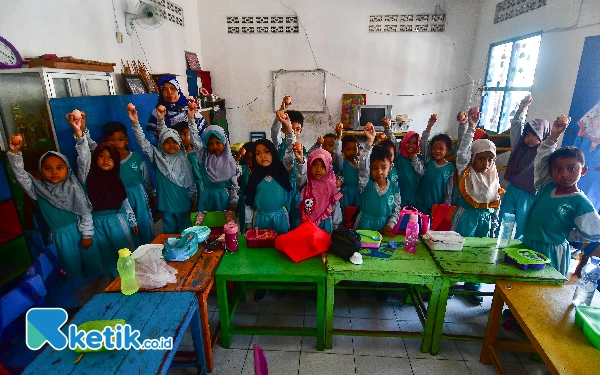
{"x":231,"y":236}
{"x":412,"y":234}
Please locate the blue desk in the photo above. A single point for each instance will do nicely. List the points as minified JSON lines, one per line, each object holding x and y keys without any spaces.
{"x":154,"y":314}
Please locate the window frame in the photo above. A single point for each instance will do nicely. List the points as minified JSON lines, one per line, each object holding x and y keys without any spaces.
{"x":506,"y":88}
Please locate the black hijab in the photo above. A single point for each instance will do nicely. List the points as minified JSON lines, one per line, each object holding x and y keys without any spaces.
{"x":276,"y":170}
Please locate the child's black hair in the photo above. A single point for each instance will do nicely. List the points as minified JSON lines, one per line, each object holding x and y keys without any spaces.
{"x":387,"y":143}
{"x":249,"y":147}
{"x":296,"y":116}
{"x":112,"y":127}
{"x":567,"y":152}
{"x":329,"y":135}
{"x":181,"y":126}
{"x":380,"y":153}
{"x":349,"y":138}
{"x":529,"y":129}
{"x":443,"y":138}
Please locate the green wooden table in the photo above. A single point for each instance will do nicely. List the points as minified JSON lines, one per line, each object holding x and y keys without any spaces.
{"x":402,"y":267}
{"x":268,"y":269}
{"x":479,"y":262}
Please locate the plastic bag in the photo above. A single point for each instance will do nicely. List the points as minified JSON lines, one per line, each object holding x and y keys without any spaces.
{"x":151,"y":270}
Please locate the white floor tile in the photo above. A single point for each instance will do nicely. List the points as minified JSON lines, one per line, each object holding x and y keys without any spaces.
{"x":229,"y":361}
{"x":478,"y":368}
{"x":288,"y":306}
{"x":326,"y":364}
{"x":367,"y":365}
{"x":340,"y":344}
{"x":434,"y":366}
{"x":237,"y":341}
{"x":471,"y":351}
{"x":287,"y":343}
{"x":378,"y":346}
{"x":371,"y":309}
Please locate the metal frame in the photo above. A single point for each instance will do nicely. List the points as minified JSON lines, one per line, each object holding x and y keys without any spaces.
{"x":47,"y":76}
{"x":507,"y":88}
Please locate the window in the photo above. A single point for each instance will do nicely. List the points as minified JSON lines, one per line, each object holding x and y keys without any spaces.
{"x":509,"y":77}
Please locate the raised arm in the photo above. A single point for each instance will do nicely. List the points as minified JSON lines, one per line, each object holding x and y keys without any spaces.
{"x":84,"y":157}
{"x":388,"y":133}
{"x":290,"y":140}
{"x":138,"y":132}
{"x":365,"y":156}
{"x":463,"y":156}
{"x":461,"y":117}
{"x":518,"y":122}
{"x":15,"y":158}
{"x":301,"y":166}
{"x":338,"y":158}
{"x":197,"y":144}
{"x":541,"y":172}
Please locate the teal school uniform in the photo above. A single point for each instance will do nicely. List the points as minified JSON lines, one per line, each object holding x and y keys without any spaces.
{"x":76,"y":261}
{"x":241,"y":212}
{"x":516,"y":201}
{"x":350,"y":186}
{"x":135,"y":184}
{"x":193,"y":159}
{"x":408,"y":180}
{"x":270,"y":203}
{"x":550,"y":221}
{"x":433,"y":186}
{"x":112,"y":235}
{"x":469,"y":221}
{"x":375,"y":206}
{"x":215,"y":195}
{"x":175,"y":204}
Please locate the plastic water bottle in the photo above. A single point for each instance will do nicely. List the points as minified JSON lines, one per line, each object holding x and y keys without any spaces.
{"x":507,"y":229}
{"x":412,"y":234}
{"x":126,"y":268}
{"x":586,"y":286}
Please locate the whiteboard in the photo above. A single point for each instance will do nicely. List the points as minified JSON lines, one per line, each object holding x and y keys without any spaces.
{"x":306,"y":87}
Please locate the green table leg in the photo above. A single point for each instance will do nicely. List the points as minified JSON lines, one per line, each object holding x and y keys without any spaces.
{"x":329,"y":291}
{"x":432,"y":308}
{"x":223,"y":311}
{"x":440,"y":315}
{"x":320,"y":314}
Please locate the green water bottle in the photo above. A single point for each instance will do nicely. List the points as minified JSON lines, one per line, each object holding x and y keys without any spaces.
{"x":126,"y":268}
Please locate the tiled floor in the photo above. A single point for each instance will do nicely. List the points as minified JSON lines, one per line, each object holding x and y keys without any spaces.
{"x":354,"y":354}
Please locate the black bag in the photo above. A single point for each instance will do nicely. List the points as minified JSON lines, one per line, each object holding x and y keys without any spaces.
{"x":344,"y":242}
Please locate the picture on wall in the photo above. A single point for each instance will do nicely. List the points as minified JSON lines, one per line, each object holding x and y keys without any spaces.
{"x":134,"y":84}
{"x":192,"y":60}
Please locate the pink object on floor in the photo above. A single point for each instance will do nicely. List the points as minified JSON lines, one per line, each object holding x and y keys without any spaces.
{"x":260,"y":361}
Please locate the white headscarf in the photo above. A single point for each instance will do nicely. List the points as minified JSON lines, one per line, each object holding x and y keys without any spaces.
{"x":483,"y":187}
{"x":174,"y":167}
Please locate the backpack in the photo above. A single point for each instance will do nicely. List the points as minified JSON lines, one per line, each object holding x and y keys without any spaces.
{"x":344,"y":242}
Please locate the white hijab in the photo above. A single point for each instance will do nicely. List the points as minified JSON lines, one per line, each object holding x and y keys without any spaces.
{"x":483,"y":187}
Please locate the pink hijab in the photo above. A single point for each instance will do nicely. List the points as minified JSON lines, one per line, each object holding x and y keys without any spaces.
{"x":319,"y":196}
{"x":405,"y":139}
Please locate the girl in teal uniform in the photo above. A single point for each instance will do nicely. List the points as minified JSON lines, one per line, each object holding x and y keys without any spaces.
{"x":320,"y":195}
{"x":135,"y":176}
{"x":479,"y":188}
{"x":393,"y":175}
{"x":404,"y":162}
{"x":183,"y":130}
{"x":113,"y":216}
{"x":174,"y":182}
{"x":244,"y":157}
{"x":379,"y":198}
{"x":436,"y":172}
{"x":349,"y":171}
{"x":524,"y":139}
{"x":65,"y":207}
{"x":560,"y":211}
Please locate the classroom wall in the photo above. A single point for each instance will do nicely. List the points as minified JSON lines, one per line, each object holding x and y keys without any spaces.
{"x":401,"y":63}
{"x":86,"y":29}
{"x":560,"y":52}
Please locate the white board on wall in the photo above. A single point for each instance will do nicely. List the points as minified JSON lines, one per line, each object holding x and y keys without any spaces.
{"x":306,"y":87}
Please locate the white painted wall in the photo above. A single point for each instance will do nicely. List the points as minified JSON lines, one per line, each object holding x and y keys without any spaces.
{"x":560,"y":52}
{"x":399,"y":63}
{"x":86,"y":29}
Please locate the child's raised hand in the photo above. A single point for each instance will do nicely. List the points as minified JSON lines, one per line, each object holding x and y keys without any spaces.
{"x":380,"y":138}
{"x":321,"y":141}
{"x":370,"y":133}
{"x":86,"y":243}
{"x":388,"y":231}
{"x":192,"y":108}
{"x":474,"y":116}
{"x":161,"y":112}
{"x":559,"y":127}
{"x":461,"y":117}
{"x":240,"y":154}
{"x":286,"y":123}
{"x":525,"y":102}
{"x":298,"y":151}
{"x":285,"y":102}
{"x":386,"y":122}
{"x":432,"y":119}
{"x":339,"y":129}
{"x":132,"y":112}
{"x":74,"y":118}
{"x":15,"y":143}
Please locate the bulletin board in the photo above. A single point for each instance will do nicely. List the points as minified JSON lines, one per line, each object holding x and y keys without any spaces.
{"x":98,"y":111}
{"x":306,"y":87}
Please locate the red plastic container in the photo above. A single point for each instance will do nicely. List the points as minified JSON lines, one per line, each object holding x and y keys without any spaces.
{"x":260,"y":238}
